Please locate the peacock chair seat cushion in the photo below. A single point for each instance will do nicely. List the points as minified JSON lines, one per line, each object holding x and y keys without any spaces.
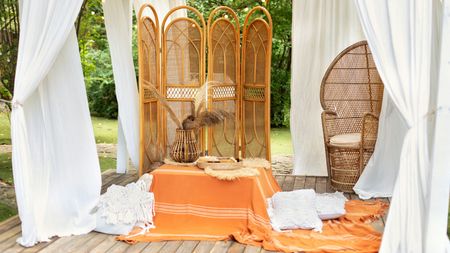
{"x":351,"y":140}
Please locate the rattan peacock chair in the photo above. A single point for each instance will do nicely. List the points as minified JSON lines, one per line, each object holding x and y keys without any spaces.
{"x":351,"y":94}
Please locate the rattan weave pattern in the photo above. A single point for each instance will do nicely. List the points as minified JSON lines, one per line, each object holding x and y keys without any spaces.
{"x":351,"y":96}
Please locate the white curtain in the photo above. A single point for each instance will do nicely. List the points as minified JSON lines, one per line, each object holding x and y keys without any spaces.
{"x":118,"y":24}
{"x":400,"y":35}
{"x":437,"y":197}
{"x":321,"y":29}
{"x":55,"y":163}
{"x":379,"y":175}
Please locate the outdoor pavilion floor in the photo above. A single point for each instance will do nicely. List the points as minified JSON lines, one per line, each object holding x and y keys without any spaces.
{"x":10,"y":229}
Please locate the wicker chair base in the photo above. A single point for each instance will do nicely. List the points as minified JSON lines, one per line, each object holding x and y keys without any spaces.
{"x":345,"y":168}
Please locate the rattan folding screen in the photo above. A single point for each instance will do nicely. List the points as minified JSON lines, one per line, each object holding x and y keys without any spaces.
{"x":173,"y":58}
{"x":351,"y":95}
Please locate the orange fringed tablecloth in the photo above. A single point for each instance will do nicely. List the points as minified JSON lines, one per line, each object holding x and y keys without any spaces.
{"x":191,"y":205}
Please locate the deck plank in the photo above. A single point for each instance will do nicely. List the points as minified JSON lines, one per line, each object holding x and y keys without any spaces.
{"x":9,"y":224}
{"x":288,"y":184}
{"x":171,"y":246}
{"x":280,"y":179}
{"x":105,"y":245}
{"x":10,"y":233}
{"x":9,"y":242}
{"x":252,"y":249}
{"x":221,"y":246}
{"x":36,"y":248}
{"x":119,"y":247}
{"x":329,"y":188}
{"x":97,"y":239}
{"x":321,"y":184}
{"x":204,"y":246}
{"x":299,"y":182}
{"x":310,"y":182}
{"x":137,"y":247}
{"x":236,"y":248}
{"x":187,"y":246}
{"x":153,"y":247}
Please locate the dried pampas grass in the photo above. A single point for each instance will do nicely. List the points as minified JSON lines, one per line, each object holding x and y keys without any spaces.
{"x":256,"y":163}
{"x":164,"y":103}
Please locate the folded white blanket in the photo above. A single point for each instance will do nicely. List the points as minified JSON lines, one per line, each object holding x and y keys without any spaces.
{"x":121,"y":207}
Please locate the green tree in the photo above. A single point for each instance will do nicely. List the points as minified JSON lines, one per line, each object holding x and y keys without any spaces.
{"x":96,"y":60}
{"x":281,"y":12}
{"x":9,"y":40}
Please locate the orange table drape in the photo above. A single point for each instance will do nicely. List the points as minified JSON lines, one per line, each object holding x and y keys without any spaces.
{"x":191,"y":205}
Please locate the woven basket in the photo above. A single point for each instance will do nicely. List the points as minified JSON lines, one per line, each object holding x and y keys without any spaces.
{"x":185,"y":148}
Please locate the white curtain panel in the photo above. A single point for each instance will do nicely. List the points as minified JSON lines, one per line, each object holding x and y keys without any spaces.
{"x":400,"y":35}
{"x":55,"y":164}
{"x":321,"y":29}
{"x":437,"y":197}
{"x":118,"y":24}
{"x":379,"y":175}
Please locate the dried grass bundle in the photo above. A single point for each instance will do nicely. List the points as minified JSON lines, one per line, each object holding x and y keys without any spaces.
{"x":164,"y":103}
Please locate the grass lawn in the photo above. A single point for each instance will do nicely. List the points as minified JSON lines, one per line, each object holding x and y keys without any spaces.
{"x":5,"y":135}
{"x":105,"y":131}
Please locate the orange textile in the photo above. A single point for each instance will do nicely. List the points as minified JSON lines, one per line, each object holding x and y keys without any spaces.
{"x":191,"y":205}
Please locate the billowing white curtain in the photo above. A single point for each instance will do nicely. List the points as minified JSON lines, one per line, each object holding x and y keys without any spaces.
{"x":379,"y":175}
{"x":55,"y":163}
{"x":118,"y":23}
{"x":321,"y":29}
{"x":400,"y":35}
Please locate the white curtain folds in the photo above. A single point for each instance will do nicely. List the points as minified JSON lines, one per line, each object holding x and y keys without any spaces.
{"x":118,"y":24}
{"x":379,"y":176}
{"x":55,"y":163}
{"x":400,"y":35}
{"x":437,"y":196}
{"x":320,"y":30}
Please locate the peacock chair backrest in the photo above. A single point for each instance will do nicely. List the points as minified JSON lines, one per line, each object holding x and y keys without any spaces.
{"x":352,"y":87}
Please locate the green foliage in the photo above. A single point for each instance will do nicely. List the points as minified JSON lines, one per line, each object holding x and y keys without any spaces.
{"x":96,"y":60}
{"x":9,"y":41}
{"x":281,"y":12}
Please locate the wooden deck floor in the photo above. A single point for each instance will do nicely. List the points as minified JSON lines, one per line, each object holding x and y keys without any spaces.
{"x":96,"y":242}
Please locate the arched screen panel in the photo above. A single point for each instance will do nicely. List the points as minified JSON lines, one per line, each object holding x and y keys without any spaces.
{"x":183,"y":67}
{"x":150,"y":128}
{"x":224,"y":72}
{"x":256,"y":60}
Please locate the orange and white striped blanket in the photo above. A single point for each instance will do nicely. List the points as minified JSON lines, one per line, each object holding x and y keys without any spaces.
{"x":191,"y":205}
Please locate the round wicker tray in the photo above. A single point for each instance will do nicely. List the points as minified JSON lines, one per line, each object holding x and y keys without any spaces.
{"x":218,"y":163}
